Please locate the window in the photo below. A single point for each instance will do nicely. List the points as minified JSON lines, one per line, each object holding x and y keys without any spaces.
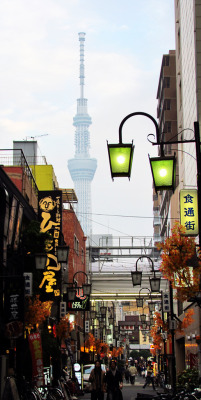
{"x":82,"y":252}
{"x":167,"y":104}
{"x":166,"y":61}
{"x":166,"y":82}
{"x":76,"y":245}
{"x":168,"y":127}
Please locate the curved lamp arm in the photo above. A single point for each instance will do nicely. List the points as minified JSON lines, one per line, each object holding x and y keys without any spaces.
{"x":145,"y":115}
{"x":78,"y":272}
{"x":149,"y":258}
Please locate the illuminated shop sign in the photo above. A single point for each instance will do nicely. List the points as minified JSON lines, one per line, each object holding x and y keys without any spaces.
{"x":50,"y":217}
{"x":189,"y":211}
{"x":81,"y":302}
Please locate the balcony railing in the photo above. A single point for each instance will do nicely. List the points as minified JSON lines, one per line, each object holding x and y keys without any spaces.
{"x":16,"y":158}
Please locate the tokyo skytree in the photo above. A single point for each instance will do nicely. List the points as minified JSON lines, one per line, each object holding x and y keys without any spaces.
{"x":82,"y":168}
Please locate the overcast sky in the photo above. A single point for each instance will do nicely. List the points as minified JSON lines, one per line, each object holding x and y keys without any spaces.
{"x":39,"y":80}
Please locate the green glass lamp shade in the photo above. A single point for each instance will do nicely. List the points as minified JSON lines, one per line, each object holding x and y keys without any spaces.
{"x":163,"y":171}
{"x":120,"y":157}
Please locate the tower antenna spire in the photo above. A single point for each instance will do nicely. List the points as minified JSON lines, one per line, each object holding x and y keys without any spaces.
{"x":82,"y":167}
{"x":82,"y":40}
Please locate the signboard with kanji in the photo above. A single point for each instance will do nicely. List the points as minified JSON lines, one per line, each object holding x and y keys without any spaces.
{"x":14,"y":307}
{"x":189,"y":211}
{"x":37,"y":358}
{"x":166,"y":302}
{"x":50,"y":217}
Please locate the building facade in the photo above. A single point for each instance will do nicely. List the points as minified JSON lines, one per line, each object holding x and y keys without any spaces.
{"x":165,"y":203}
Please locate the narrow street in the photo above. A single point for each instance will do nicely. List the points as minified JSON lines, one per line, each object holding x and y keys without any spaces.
{"x":130,"y":391}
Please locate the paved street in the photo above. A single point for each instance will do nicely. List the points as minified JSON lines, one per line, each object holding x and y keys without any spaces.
{"x":130,"y":391}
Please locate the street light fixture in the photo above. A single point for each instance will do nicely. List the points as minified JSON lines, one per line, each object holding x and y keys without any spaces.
{"x":151,"y":306}
{"x":101,"y":324}
{"x":40,"y":260}
{"x":86,"y":289}
{"x":103,"y":311}
{"x":120,"y":154}
{"x":160,"y":166}
{"x":62,"y":254}
{"x":121,"y":157}
{"x":71,"y":293}
{"x":143,"y":318}
{"x":160,"y":181}
{"x":139,"y":301}
{"x":93,"y":314}
{"x":137,"y":276}
{"x":164,"y":172}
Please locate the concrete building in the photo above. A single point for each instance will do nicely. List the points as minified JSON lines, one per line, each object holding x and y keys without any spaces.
{"x":188,"y":49}
{"x":165,"y":203}
{"x":179,"y":106}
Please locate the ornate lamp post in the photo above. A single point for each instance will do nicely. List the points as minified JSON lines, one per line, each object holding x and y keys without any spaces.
{"x":137,"y":276}
{"x":163,"y":171}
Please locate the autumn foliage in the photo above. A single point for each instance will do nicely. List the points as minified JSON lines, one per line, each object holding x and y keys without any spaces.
{"x":187,"y":320}
{"x":99,"y":347}
{"x":64,"y":327}
{"x":156,"y":332}
{"x":161,"y":326}
{"x":37,"y":311}
{"x":177,"y":251}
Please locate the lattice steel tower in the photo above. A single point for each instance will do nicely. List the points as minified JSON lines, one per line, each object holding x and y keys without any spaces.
{"x":82,"y":168}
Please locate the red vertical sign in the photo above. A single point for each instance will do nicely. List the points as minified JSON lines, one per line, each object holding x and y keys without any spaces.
{"x":37,"y":358}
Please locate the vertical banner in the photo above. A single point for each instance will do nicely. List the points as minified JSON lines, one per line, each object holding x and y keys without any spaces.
{"x":166,"y":302}
{"x":50,"y":218}
{"x":14,"y":307}
{"x":189,"y":211}
{"x":37,"y":358}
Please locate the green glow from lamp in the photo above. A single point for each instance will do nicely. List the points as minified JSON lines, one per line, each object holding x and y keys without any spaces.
{"x":164,"y":172}
{"x":120,"y":158}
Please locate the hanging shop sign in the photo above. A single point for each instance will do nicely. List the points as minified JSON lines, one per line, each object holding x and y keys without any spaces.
{"x":166,"y":302}
{"x":14,"y":307}
{"x":50,"y":217}
{"x":37,"y":357}
{"x":189,"y":211}
{"x":81,"y":302}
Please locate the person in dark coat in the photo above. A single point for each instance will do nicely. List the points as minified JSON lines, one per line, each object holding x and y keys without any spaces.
{"x":127,"y":374}
{"x":97,"y":379}
{"x":114,"y":382}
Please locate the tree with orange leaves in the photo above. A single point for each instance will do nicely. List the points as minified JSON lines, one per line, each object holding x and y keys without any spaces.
{"x":159,"y":325}
{"x":187,"y":320}
{"x":37,"y":312}
{"x":90,"y":342}
{"x":96,"y":345}
{"x":64,"y":327}
{"x":177,"y":251}
{"x":116,"y":352}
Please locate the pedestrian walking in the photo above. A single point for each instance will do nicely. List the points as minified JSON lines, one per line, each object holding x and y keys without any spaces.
{"x":127,"y":374}
{"x":114,"y":382}
{"x":150,"y":376}
{"x":97,"y":379}
{"x":133,"y":372}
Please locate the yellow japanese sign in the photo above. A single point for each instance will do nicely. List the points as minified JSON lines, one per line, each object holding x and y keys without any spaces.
{"x":50,"y":217}
{"x":189,"y":211}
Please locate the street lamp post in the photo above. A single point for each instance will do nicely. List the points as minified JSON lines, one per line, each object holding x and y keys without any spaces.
{"x":163,"y":167}
{"x":137,"y":276}
{"x":71,"y":293}
{"x":121,"y":156}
